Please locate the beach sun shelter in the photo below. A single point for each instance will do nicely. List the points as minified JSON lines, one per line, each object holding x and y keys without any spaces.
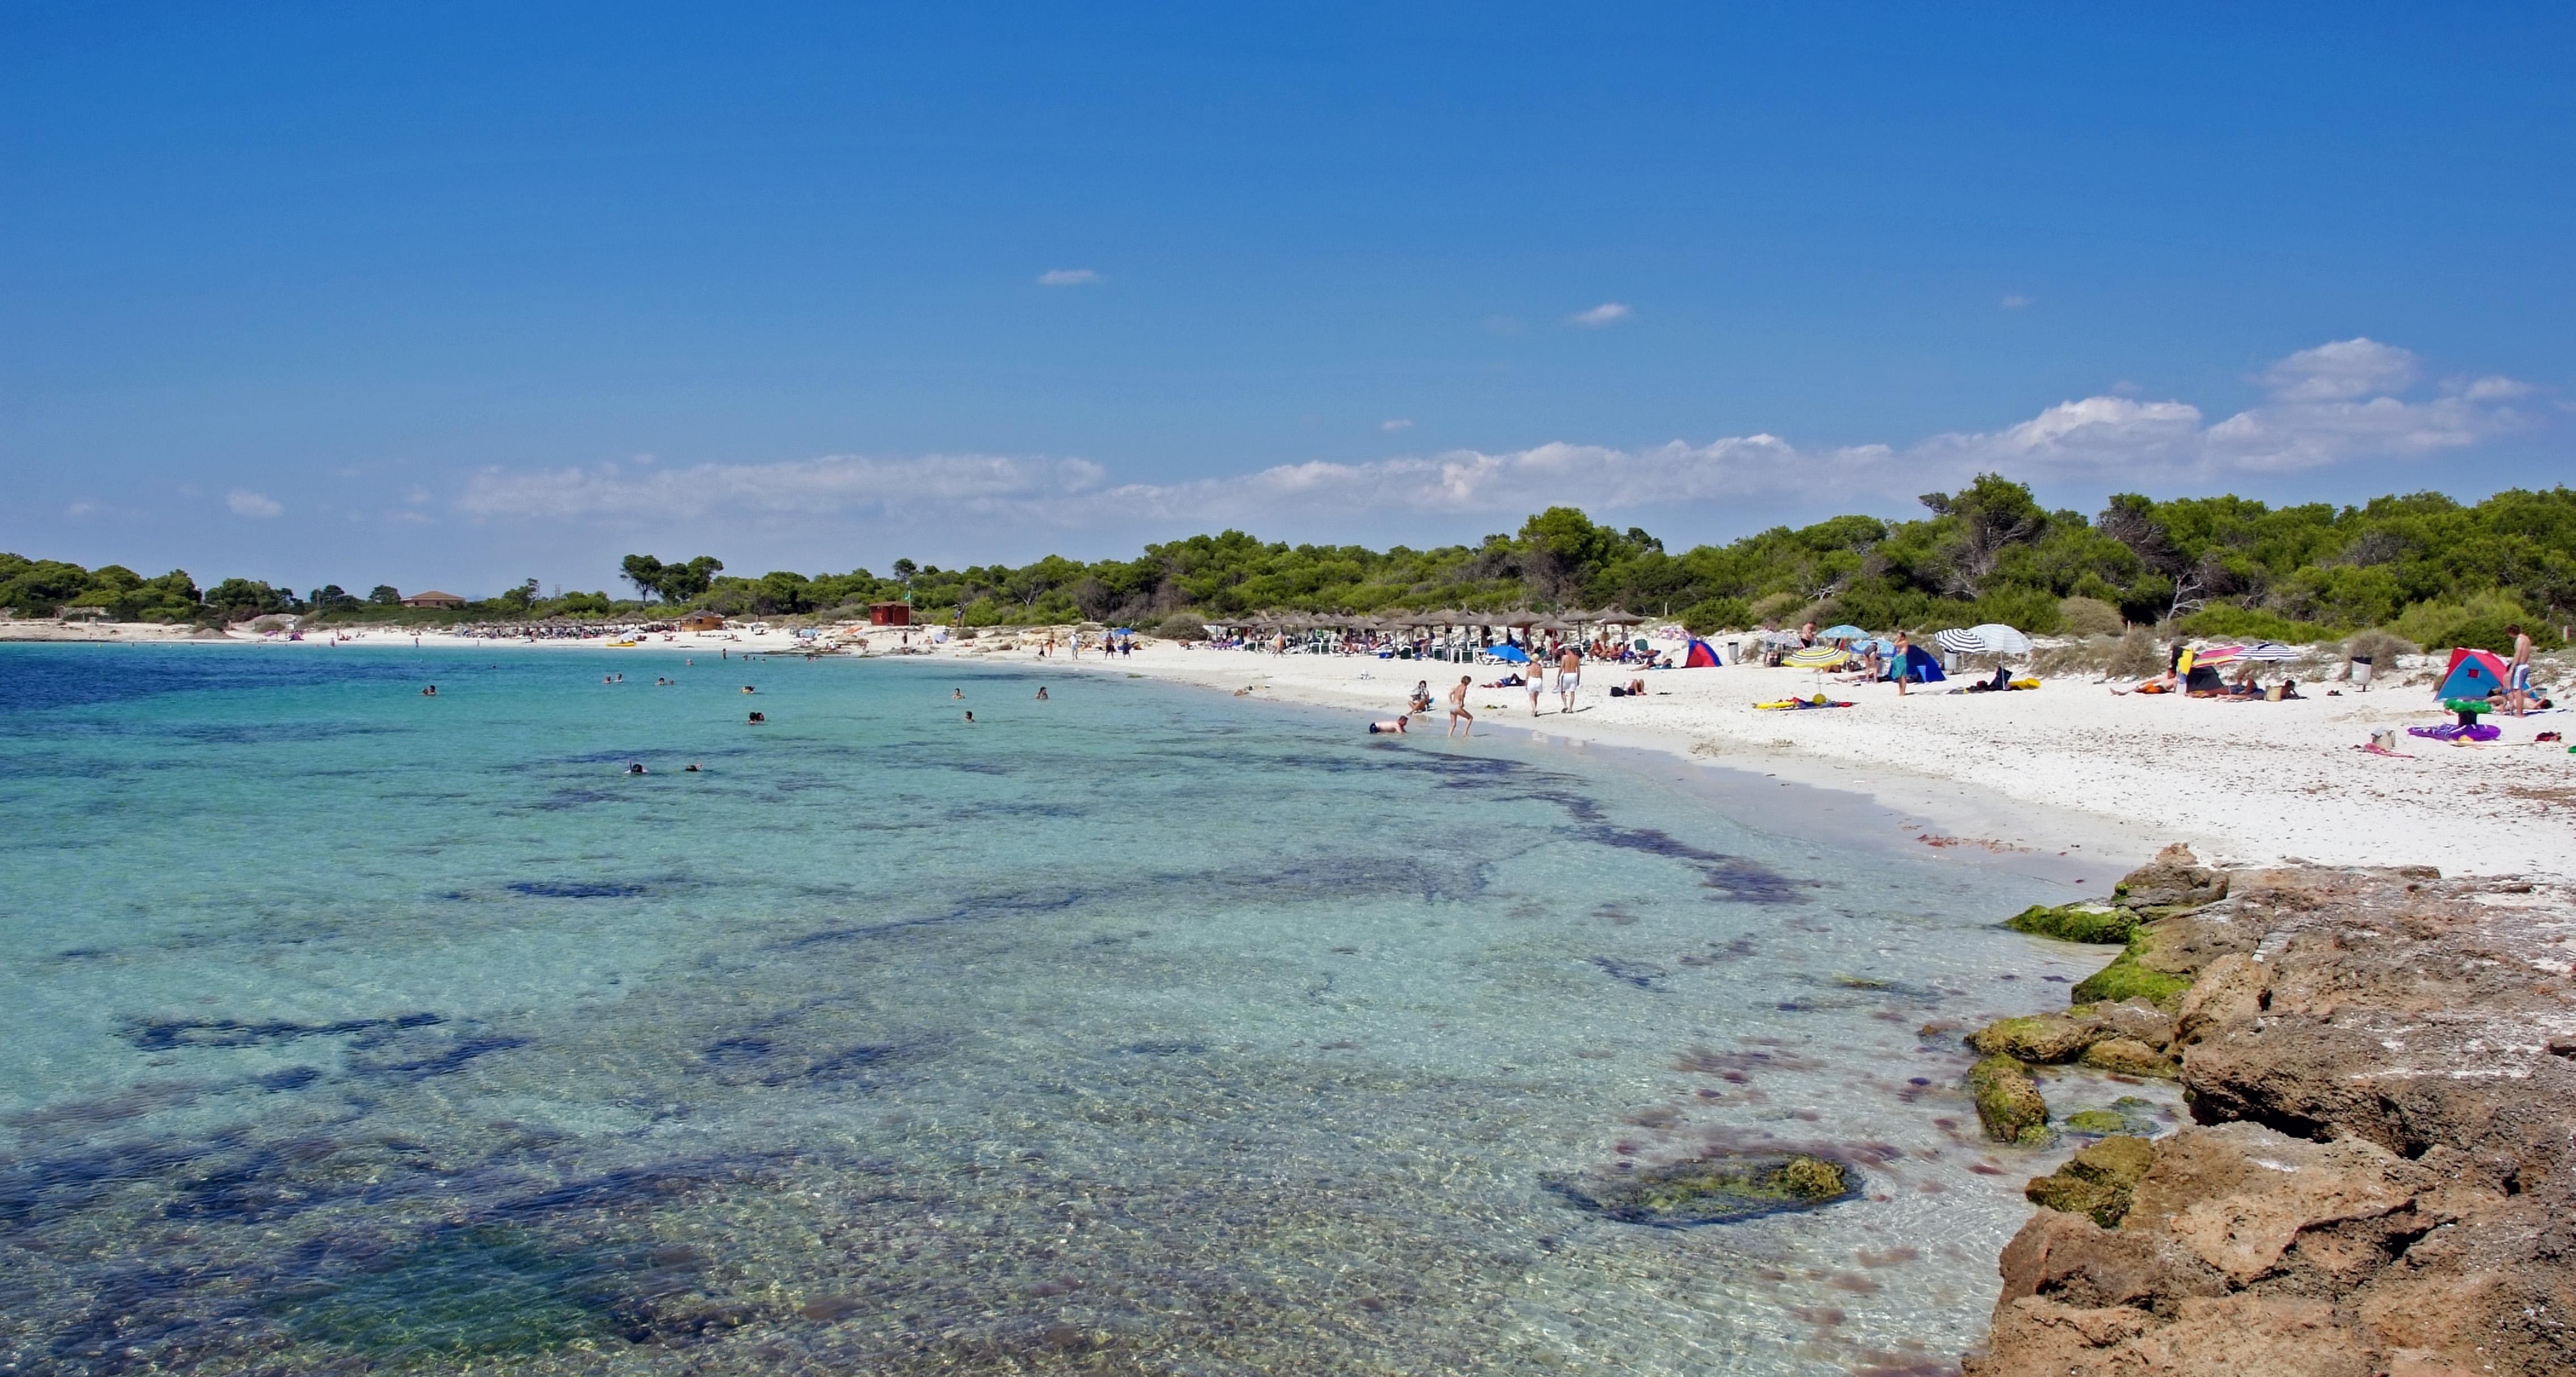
{"x":2473,"y":674}
{"x":1701,"y":655}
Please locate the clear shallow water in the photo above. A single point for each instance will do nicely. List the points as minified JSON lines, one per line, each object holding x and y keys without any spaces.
{"x":1135,"y":1031}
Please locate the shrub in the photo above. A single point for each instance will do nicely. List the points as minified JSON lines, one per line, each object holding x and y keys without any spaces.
{"x":2136,"y":657}
{"x":2246,"y":623}
{"x":1182,"y":626}
{"x":2091,"y":617}
{"x":1772,"y":607}
{"x":2379,"y":647}
{"x":1718,"y":614}
{"x":2478,"y":623}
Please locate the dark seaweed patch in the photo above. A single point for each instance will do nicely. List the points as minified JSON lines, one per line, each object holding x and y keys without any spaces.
{"x":577,"y":889}
{"x":444,"y":1061}
{"x":1641,"y":974}
{"x":763,"y":1061}
{"x":1166,"y":1049}
{"x":164,"y":1035}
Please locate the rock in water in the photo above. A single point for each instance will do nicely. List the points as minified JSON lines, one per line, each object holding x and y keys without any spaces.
{"x":2174,"y":879}
{"x":2099,"y":924}
{"x":2008,"y":1102}
{"x":1714,"y":1190}
{"x":2097,"y":1181}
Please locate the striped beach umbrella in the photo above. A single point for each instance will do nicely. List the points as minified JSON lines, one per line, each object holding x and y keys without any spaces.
{"x":1816,"y":657}
{"x":1959,"y":642}
{"x":2213,"y":656}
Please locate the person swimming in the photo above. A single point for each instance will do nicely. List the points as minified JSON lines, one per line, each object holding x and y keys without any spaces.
{"x":759,"y":719}
{"x":1394,"y":728}
{"x":970,"y":717}
{"x":691,"y":768}
{"x":1042,"y":693}
{"x":746,"y":688}
{"x":635,"y":768}
{"x":958,"y":694}
{"x":430,"y":692}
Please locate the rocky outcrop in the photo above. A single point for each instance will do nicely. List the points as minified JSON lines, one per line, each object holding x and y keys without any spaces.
{"x":2382,"y":1067}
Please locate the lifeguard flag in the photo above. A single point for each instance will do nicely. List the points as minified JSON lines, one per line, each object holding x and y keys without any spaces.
{"x":1702,"y":655}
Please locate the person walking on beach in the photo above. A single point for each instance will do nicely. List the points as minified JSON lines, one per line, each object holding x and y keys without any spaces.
{"x":2517,"y":672}
{"x":1569,"y":676}
{"x":1458,"y":714}
{"x":1537,"y":682}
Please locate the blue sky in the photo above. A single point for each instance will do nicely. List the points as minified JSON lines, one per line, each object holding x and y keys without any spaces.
{"x":458,"y":295}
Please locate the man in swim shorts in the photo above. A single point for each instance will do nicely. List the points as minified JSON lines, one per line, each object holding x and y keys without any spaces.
{"x":2517,"y":673}
{"x":1569,"y":676}
{"x":1458,"y":706}
{"x":1394,"y":728}
{"x":1537,"y":684}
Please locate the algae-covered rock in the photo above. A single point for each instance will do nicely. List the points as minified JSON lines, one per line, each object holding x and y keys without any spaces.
{"x":2129,"y":978}
{"x":2008,"y":1102}
{"x":2130,"y":1057}
{"x":2098,"y":1181}
{"x":2174,"y":879}
{"x":2094,"y":1123}
{"x":1714,"y":1190}
{"x":2041,"y":1039}
{"x":2128,"y":1114}
{"x":2098,"y":924}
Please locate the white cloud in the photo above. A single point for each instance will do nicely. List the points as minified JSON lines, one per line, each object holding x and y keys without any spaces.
{"x":1067,"y":277}
{"x":80,"y":509}
{"x":2341,"y":371}
{"x":247,"y":503}
{"x":2015,"y":302}
{"x":2121,"y":439}
{"x":1607,"y":313}
{"x":1399,"y":423}
{"x":832,"y":484}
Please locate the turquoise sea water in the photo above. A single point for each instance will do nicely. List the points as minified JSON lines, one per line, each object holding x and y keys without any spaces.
{"x":1139,"y":1030}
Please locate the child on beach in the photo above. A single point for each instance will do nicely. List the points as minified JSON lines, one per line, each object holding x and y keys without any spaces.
{"x":1458,"y":707}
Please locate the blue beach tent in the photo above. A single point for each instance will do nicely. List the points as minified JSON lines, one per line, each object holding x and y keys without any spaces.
{"x":1921,"y":664}
{"x":2473,"y":674}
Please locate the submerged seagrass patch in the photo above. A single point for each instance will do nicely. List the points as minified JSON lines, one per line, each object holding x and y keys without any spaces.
{"x":1716,"y":1189}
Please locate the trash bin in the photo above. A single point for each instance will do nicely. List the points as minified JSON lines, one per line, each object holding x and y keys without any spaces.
{"x":2361,"y":667}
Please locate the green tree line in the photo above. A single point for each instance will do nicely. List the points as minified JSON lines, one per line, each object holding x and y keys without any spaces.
{"x":2433,"y":569}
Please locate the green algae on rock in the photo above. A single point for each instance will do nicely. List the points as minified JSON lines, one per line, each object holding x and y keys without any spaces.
{"x":2130,"y":1057}
{"x":2097,"y":1181}
{"x":1713,"y":1190}
{"x":2008,"y":1102}
{"x":2129,"y":977}
{"x":2128,"y":1114}
{"x":2094,"y":923}
{"x":2040,"y":1039}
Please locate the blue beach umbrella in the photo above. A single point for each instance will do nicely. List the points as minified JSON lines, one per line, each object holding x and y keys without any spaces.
{"x":1844,"y":632}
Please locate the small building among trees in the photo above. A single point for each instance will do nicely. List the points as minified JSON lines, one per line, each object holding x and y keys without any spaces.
{"x":889,"y":614}
{"x":434,"y":598}
{"x":703,"y":621}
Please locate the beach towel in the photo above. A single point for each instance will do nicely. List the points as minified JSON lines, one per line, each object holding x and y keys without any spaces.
{"x":1801,"y":704}
{"x":2453,"y":731}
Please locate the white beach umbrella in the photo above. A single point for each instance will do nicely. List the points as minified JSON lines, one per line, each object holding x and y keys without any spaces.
{"x":2269,"y":650}
{"x":2001,"y":639}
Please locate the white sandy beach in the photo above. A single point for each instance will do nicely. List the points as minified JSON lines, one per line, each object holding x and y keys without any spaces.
{"x":2071,"y":767}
